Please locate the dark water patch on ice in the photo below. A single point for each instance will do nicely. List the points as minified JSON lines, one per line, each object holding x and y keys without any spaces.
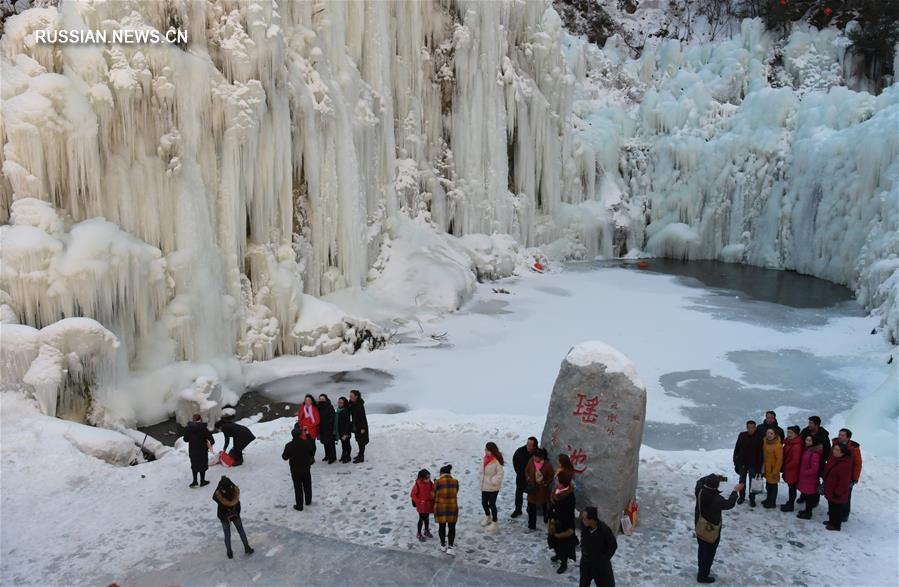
{"x":776,"y":286}
{"x":786,"y":377}
{"x":333,"y":383}
{"x":250,"y":404}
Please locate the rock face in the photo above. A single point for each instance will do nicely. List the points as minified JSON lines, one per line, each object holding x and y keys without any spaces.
{"x":596,"y":416}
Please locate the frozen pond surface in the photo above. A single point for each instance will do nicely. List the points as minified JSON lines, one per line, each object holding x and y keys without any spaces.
{"x":715,"y":343}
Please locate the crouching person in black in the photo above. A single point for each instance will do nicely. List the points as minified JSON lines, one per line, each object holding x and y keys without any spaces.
{"x":598,"y":545}
{"x":707,"y":517}
{"x":298,"y":453}
{"x":241,"y":435}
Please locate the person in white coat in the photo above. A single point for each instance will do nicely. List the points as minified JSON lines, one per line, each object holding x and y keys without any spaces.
{"x":491,"y":481}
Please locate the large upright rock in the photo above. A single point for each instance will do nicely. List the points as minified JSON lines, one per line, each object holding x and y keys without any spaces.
{"x":596,"y":416}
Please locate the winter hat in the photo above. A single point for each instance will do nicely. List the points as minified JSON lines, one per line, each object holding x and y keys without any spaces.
{"x":711,"y":482}
{"x":446,"y":469}
{"x":794,"y":429}
{"x":592,"y":514}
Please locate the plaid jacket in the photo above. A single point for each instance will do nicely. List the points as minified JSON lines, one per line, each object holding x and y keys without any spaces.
{"x":446,"y":508}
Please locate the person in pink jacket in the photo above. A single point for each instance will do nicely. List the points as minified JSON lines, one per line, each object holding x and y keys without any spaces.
{"x":792,"y":460}
{"x":809,"y":465}
{"x":423,"y":501}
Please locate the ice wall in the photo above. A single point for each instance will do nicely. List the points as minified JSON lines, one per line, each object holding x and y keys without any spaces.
{"x":190,"y":198}
{"x":751,"y":151}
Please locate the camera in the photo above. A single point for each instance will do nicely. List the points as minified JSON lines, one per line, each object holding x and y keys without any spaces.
{"x":721,"y":478}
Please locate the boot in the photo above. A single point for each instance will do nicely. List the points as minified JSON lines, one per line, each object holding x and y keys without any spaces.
{"x":485,"y":521}
{"x":563,"y":567}
{"x":804,"y":515}
{"x":516,"y":514}
{"x":708,"y":579}
{"x":248,"y":550}
{"x":787,"y":507}
{"x":230,"y":554}
{"x":421,"y":537}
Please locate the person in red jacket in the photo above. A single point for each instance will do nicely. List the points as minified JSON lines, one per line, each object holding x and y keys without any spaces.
{"x":309,"y":419}
{"x":809,"y":464}
{"x":855,"y":451}
{"x":837,"y":481}
{"x":423,"y":501}
{"x":792,"y":455}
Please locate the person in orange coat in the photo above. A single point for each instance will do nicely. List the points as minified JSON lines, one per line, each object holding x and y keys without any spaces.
{"x":539,"y":474}
{"x":793,"y":446}
{"x":446,"y":508}
{"x":855,"y":451}
{"x":774,"y":459}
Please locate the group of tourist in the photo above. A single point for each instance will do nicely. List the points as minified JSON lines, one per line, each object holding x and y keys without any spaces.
{"x":552,"y":491}
{"x":315,"y":421}
{"x":807,"y":460}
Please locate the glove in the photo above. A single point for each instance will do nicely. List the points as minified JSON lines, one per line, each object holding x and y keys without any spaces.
{"x":413,"y":503}
{"x":853,"y":483}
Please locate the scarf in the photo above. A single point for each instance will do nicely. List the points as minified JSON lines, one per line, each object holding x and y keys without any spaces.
{"x":538,"y":469}
{"x":337,"y":421}
{"x":487,"y":459}
{"x":307,"y":410}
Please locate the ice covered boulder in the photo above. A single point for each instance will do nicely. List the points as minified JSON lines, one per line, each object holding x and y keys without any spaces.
{"x":596,"y":414}
{"x":204,"y":397}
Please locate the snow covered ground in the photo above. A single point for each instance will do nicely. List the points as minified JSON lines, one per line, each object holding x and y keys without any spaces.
{"x":70,"y":518}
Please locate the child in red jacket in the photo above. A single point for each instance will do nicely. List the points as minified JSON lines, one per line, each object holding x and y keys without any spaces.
{"x":423,"y":501}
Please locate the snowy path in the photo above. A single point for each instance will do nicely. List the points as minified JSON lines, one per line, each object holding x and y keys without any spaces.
{"x":285,"y":557}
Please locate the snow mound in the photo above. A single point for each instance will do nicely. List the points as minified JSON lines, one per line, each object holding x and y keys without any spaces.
{"x":597,"y":352}
{"x":100,"y":443}
{"x":874,"y":420}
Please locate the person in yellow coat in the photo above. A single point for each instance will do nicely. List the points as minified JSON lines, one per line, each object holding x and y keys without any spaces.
{"x":773,"y":451}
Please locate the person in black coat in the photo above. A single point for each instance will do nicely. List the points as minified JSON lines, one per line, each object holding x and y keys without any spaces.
{"x":560,"y":530}
{"x":520,"y":462}
{"x":199,"y":439}
{"x":241,"y":435}
{"x":771,"y":422}
{"x":344,"y":428}
{"x":298,"y":455}
{"x":748,"y":458}
{"x":326,"y":433}
{"x":710,"y":504}
{"x":227,"y":496}
{"x":360,"y":423}
{"x":598,"y":546}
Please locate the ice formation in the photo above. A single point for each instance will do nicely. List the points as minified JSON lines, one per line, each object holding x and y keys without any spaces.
{"x":192,"y":199}
{"x":748,"y":150}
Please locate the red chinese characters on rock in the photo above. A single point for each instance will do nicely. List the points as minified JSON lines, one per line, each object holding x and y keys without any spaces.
{"x":555,"y":436}
{"x":612,"y":419}
{"x":578,"y":459}
{"x":586,"y":409}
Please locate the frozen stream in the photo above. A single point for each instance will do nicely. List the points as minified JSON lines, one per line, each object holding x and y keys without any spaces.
{"x":716,"y":344}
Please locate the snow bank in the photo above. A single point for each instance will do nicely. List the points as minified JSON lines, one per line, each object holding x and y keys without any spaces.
{"x":595,"y":351}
